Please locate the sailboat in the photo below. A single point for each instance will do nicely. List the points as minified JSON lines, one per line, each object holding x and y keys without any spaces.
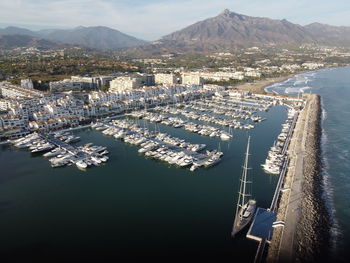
{"x":245,"y":205}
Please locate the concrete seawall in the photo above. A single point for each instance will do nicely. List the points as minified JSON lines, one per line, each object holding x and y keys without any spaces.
{"x":305,"y":235}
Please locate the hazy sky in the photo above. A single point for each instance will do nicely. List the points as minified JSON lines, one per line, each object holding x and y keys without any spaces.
{"x":151,"y":19}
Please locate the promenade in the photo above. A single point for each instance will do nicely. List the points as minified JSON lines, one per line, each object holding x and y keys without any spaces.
{"x":284,"y":243}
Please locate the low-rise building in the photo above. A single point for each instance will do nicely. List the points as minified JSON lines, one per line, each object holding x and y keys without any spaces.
{"x":65,"y":85}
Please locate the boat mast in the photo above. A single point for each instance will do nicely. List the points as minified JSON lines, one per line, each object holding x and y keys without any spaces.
{"x":242,"y":188}
{"x":245,"y":171}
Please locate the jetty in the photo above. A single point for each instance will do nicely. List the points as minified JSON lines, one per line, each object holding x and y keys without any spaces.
{"x":265,"y":220}
{"x":300,"y":174}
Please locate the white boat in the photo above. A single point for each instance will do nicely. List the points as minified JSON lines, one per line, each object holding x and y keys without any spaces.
{"x":96,"y":159}
{"x":54,"y":152}
{"x":245,"y":205}
{"x":225,"y":136}
{"x":194,"y":167}
{"x":81,"y":164}
{"x":212,"y":161}
{"x":43,"y":148}
{"x":187,"y":161}
{"x":104,"y":158}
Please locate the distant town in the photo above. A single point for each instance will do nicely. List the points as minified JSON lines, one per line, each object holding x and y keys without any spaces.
{"x":40,"y":105}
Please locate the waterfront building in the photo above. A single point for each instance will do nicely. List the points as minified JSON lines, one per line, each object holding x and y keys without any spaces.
{"x":312,"y":66}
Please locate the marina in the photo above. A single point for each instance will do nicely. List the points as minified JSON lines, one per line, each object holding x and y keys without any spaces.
{"x":128,"y":140}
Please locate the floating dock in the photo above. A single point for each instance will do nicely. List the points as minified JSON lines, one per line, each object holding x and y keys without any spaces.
{"x":261,"y":226}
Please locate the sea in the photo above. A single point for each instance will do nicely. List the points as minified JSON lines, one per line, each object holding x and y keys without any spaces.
{"x":333,"y":85}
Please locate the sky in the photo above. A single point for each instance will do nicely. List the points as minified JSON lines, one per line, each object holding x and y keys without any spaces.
{"x":152,"y":19}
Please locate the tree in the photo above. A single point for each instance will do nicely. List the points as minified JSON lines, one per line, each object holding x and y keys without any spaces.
{"x":104,"y":88}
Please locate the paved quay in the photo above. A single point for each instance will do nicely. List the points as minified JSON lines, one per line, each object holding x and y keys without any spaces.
{"x":284,"y":243}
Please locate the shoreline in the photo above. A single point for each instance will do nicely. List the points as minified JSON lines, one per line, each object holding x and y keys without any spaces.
{"x":304,"y":236}
{"x":260,"y":85}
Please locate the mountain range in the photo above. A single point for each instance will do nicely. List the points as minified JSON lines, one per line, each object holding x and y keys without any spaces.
{"x":8,"y":42}
{"x":98,"y":37}
{"x":231,"y":30}
{"x":225,"y":31}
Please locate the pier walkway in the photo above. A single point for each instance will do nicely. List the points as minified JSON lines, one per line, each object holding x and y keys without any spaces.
{"x":63,"y":145}
{"x":264,"y":221}
{"x":283,"y":244}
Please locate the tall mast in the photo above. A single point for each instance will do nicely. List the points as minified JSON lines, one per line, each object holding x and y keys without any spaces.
{"x":245,"y":171}
{"x":242,"y":188}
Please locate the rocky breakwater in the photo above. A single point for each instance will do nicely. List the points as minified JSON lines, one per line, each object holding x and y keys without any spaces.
{"x":305,"y":234}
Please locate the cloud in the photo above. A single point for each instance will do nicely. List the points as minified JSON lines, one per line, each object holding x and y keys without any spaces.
{"x":151,"y":19}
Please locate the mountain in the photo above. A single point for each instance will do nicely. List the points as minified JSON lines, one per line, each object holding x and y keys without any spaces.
{"x":11,"y":30}
{"x":330,"y":35}
{"x":230,"y":29}
{"x":99,"y":37}
{"x":8,"y":42}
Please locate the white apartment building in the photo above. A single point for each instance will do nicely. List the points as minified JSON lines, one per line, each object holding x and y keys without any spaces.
{"x":192,"y":78}
{"x":162,"y":78}
{"x":5,"y":104}
{"x":124,"y":83}
{"x":7,"y":90}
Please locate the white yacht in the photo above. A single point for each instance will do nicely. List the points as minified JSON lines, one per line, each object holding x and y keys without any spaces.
{"x":54,"y":152}
{"x":81,"y":164}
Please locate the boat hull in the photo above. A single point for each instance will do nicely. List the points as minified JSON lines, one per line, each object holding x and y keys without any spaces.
{"x":241,"y":220}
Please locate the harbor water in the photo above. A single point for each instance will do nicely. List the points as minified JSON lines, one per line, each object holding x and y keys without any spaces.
{"x":333,"y":85}
{"x":132,"y":207}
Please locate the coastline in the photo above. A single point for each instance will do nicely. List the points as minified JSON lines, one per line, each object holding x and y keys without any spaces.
{"x":260,"y":85}
{"x":305,"y":235}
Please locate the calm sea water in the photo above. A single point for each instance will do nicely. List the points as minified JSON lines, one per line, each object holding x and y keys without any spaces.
{"x":334,"y":87}
{"x":131,"y":208}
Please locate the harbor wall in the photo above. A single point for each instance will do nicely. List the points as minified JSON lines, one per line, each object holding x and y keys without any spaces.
{"x":305,"y":235}
{"x":312,"y":233}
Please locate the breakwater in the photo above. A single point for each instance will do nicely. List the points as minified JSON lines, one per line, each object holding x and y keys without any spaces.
{"x":305,"y":234}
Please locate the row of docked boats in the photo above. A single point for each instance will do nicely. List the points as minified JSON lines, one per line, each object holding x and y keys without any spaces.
{"x":204,"y":117}
{"x":277,"y":154}
{"x":85,"y":156}
{"x":223,"y":110}
{"x":176,"y":122}
{"x":179,"y":157}
{"x":37,"y":144}
{"x":55,"y":147}
{"x":161,"y":146}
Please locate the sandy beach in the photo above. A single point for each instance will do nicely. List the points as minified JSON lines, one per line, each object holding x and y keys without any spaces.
{"x":259,"y":85}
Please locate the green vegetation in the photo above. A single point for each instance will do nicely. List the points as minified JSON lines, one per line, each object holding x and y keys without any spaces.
{"x":104,"y":88}
{"x":45,"y":69}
